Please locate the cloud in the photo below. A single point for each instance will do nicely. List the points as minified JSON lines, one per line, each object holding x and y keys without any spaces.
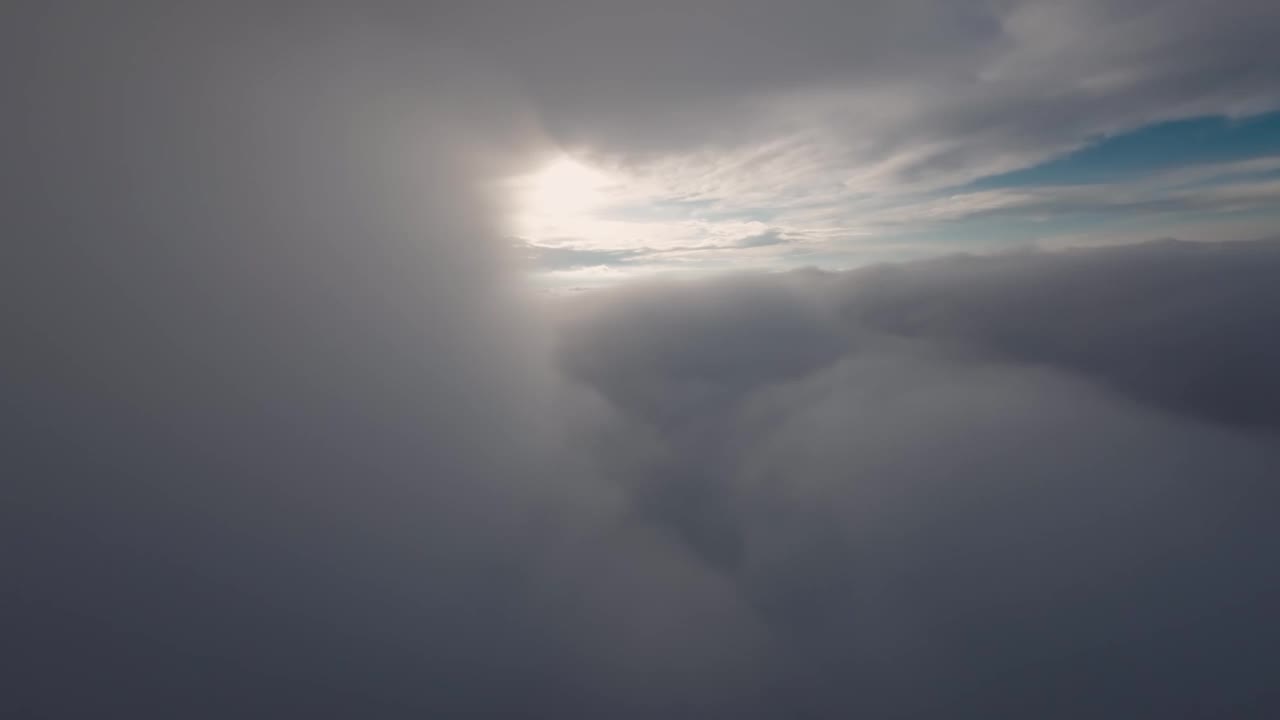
{"x":764,"y":239}
{"x":646,"y":260}
{"x":856,"y":119}
{"x":556,"y":258}
{"x":289,"y":436}
{"x":959,"y":483}
{"x":1004,"y":84}
{"x":284,"y":437}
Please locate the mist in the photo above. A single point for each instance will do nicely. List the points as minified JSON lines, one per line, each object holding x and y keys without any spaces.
{"x":289,"y":431}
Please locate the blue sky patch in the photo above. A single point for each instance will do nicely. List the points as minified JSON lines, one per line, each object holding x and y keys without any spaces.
{"x":1153,"y":148}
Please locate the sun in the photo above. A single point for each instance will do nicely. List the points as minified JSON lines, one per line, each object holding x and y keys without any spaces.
{"x":561,"y":192}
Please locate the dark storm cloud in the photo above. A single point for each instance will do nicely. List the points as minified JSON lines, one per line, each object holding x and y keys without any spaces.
{"x":284,"y":437}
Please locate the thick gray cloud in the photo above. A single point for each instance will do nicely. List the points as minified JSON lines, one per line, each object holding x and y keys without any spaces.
{"x":1036,"y":484}
{"x":285,"y":435}
{"x":281,"y":435}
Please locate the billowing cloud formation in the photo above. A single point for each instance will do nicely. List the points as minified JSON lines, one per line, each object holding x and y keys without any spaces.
{"x":1034,"y":484}
{"x":287,"y":437}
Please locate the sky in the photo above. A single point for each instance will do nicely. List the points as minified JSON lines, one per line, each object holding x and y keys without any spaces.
{"x":838,"y":136}
{"x":697,"y":359}
{"x":1175,"y":178}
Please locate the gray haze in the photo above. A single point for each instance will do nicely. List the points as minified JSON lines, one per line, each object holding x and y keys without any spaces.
{"x":286,"y":435}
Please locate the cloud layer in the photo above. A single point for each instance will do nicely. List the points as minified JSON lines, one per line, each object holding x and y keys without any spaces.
{"x":1034,"y":484}
{"x":288,"y":435}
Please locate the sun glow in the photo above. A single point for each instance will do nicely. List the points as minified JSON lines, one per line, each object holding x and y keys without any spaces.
{"x":559,"y":195}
